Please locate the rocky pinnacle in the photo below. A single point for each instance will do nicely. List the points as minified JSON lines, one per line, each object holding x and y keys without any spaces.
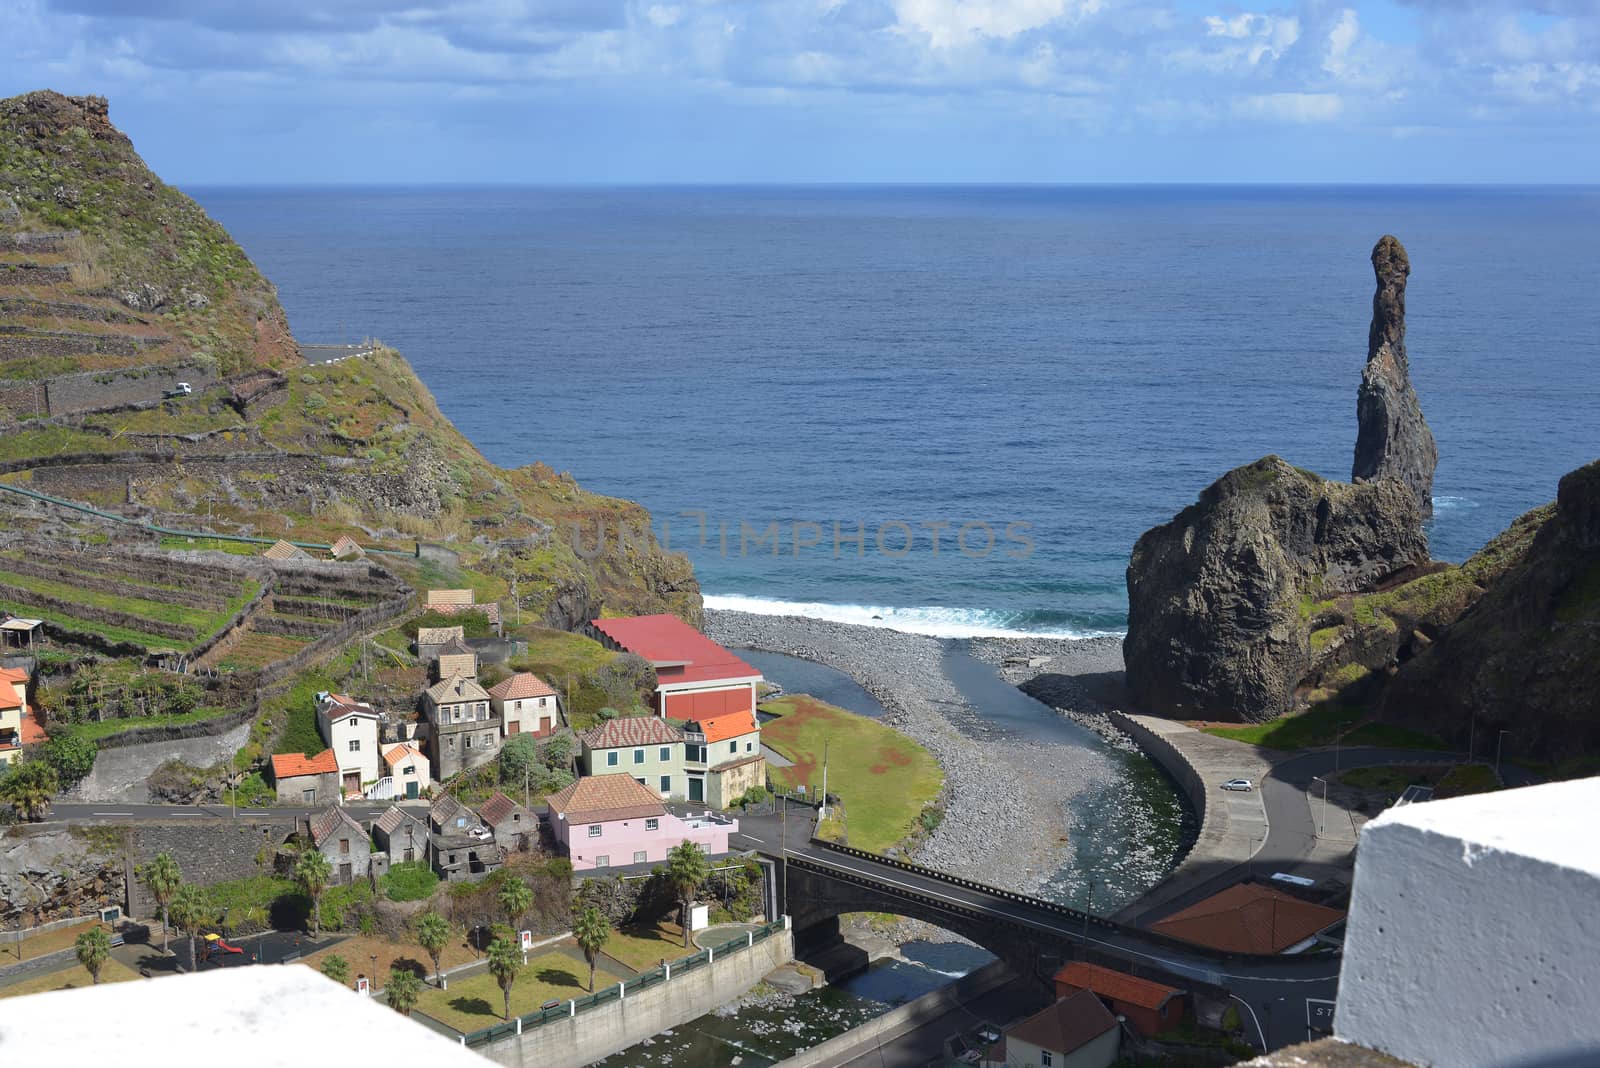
{"x":1392,"y":440}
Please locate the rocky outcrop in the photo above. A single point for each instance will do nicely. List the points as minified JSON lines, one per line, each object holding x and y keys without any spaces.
{"x":49,"y":873}
{"x":1393,"y":439}
{"x":1219,"y":598}
{"x":1525,"y":656}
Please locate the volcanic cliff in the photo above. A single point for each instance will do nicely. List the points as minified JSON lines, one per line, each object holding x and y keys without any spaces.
{"x":116,"y":287}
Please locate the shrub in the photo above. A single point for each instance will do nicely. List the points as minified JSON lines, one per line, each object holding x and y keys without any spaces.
{"x":519,"y":756}
{"x":625,"y":680}
{"x":71,"y":756}
{"x":409,"y":881}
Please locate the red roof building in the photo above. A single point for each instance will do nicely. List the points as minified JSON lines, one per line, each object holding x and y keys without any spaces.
{"x":1148,"y":1006}
{"x":289,"y":765}
{"x":1246,"y":918}
{"x":695,"y":677}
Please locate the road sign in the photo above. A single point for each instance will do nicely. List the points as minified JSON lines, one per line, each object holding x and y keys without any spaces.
{"x":527,"y":941}
{"x":1319,"y":1018}
{"x":361,"y":984}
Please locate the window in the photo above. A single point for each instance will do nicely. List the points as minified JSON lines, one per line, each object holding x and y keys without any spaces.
{"x":466,"y":741}
{"x":308,"y":796}
{"x":640,"y":856}
{"x":409,"y":770}
{"x":450,"y":743}
{"x":452,"y":858}
{"x":352,"y":721}
{"x":344,"y":847}
{"x":594,"y":830}
{"x":733,"y":746}
{"x":611,"y":759}
{"x":602,"y":862}
{"x":355,"y":745}
{"x":666,"y":784}
{"x":1046,"y":1058}
{"x":488,"y":738}
{"x":544,"y":702}
{"x":652,"y":824}
{"x":638,"y":780}
{"x":664,"y":754}
{"x":749,"y":747}
{"x":638,"y":756}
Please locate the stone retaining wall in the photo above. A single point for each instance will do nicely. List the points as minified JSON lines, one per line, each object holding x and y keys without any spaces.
{"x":94,"y":390}
{"x":37,"y":242}
{"x":20,"y":343}
{"x":44,"y":309}
{"x":34,"y":274}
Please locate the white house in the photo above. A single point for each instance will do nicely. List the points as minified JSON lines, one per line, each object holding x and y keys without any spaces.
{"x":350,"y":728}
{"x":409,"y":767}
{"x":527,"y":705}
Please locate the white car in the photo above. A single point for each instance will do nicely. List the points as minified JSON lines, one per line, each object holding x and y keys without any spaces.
{"x":1238,"y":784}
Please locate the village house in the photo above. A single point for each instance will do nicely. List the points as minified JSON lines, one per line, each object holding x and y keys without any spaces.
{"x":649,"y":749}
{"x":605,"y":821}
{"x":463,"y":730}
{"x":1075,"y":1032}
{"x":1250,"y":918}
{"x":1149,"y":1007}
{"x":408,"y":767}
{"x":514,"y":827}
{"x":15,"y":715}
{"x":695,"y":677}
{"x":345,"y":548}
{"x":455,"y":657}
{"x":527,"y":704}
{"x":344,"y":842}
{"x":454,"y":602}
{"x":283,"y":550}
{"x":431,"y":639}
{"x":722,"y":757}
{"x":463,"y":847}
{"x":350,"y":728}
{"x":303,"y":780}
{"x":401,"y":835}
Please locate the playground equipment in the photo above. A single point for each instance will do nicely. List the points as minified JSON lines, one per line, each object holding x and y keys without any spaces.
{"x":214,"y":948}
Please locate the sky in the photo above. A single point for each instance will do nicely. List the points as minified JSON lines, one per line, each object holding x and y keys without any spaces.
{"x":755,"y":91}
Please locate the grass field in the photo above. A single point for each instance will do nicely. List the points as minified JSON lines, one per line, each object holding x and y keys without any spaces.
{"x":48,"y":942}
{"x":73,"y":978}
{"x":883,"y":778}
{"x":360,"y":949}
{"x":106,"y":728}
{"x":1323,"y":725}
{"x":476,"y":1002}
{"x":643,"y":946}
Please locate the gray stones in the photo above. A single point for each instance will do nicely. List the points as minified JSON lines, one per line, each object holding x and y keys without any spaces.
{"x":9,"y":214}
{"x":1393,"y":439}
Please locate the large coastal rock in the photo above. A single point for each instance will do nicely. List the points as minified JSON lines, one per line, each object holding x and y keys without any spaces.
{"x":1393,"y":439}
{"x":1218,"y":598}
{"x":1525,"y":656}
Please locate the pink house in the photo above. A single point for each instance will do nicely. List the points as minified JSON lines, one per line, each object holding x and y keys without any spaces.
{"x":606,"y":821}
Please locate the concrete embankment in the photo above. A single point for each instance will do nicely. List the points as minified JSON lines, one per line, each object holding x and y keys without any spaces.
{"x":1233,"y":825}
{"x":606,"y":1029}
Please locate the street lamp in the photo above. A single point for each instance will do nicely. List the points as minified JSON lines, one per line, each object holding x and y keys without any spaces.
{"x":1322,"y":822}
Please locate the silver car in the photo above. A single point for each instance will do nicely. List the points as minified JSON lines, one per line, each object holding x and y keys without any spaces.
{"x":1238,"y":784}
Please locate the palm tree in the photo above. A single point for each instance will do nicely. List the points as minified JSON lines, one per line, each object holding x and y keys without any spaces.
{"x":93,"y":947}
{"x":505,"y":961}
{"x":515,"y":899}
{"x":313,"y":872}
{"x":163,"y":876}
{"x":402,"y":988}
{"x":686,"y":870}
{"x":189,"y":910}
{"x":28,"y":787}
{"x":433,"y":934}
{"x":592,"y":931}
{"x":337,"y":969}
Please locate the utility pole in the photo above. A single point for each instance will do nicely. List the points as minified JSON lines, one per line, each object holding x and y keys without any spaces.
{"x":783,"y":855}
{"x":526,"y":768}
{"x":1322,"y":823}
{"x":824,"y":811}
{"x":1500,"y":741}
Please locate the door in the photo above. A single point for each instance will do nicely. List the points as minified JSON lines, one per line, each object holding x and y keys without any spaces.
{"x":346,"y":872}
{"x":697,"y":788}
{"x":513,"y":726}
{"x":411,"y":790}
{"x":352,"y":782}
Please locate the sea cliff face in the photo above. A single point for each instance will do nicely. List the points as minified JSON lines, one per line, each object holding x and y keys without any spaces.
{"x":115,"y":287}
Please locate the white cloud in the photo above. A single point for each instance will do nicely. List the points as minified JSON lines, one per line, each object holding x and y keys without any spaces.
{"x":663,"y":15}
{"x":1290,"y":107}
{"x":948,"y":23}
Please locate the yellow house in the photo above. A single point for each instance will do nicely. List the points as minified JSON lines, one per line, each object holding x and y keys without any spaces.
{"x":13,"y":713}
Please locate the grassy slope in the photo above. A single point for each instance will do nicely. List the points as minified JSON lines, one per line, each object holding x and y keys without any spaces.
{"x":883,"y":778}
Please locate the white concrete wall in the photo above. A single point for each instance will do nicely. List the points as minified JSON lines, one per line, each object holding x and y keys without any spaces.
{"x":1474,"y":937}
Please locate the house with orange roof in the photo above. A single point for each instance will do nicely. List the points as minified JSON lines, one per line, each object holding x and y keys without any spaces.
{"x":1249,"y":918}
{"x":408,"y":766}
{"x":611,"y":821}
{"x":1149,"y":1007}
{"x":16,"y":718}
{"x":351,"y":728}
{"x":527,"y":705}
{"x":723,"y":752}
{"x":345,"y":548}
{"x":303,"y":780}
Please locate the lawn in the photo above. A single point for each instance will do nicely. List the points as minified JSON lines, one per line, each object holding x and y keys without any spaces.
{"x":359,"y":950}
{"x":107,"y":727}
{"x":73,"y":978}
{"x":555,"y":654}
{"x":1467,"y":779}
{"x":1320,"y":725}
{"x":883,"y":778}
{"x":644,"y":946}
{"x":39,"y":944}
{"x":475,"y":1002}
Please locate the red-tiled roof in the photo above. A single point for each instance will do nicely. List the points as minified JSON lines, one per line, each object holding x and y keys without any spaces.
{"x":1115,"y":985}
{"x":394,"y":817}
{"x":396,"y":753}
{"x":32,"y":730}
{"x":1246,"y":918}
{"x":13,"y":675}
{"x":521,"y":686}
{"x":282,"y":550}
{"x":288,"y":765}
{"x":721,"y":728}
{"x":330,"y":820}
{"x":603,"y":798}
{"x":631,"y":730}
{"x":1067,"y":1026}
{"x":680,"y":653}
{"x":497,"y":809}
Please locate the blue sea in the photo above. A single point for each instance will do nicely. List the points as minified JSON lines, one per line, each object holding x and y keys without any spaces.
{"x":953,"y":410}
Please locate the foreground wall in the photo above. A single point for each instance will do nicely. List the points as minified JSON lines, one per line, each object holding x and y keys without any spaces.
{"x":1473,"y":930}
{"x":616,"y":1025}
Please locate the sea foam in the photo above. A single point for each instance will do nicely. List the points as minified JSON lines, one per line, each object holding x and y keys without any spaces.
{"x":935,"y":621}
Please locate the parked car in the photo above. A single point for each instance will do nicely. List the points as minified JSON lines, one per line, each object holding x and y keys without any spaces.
{"x":1238,"y":784}
{"x":182,"y":389}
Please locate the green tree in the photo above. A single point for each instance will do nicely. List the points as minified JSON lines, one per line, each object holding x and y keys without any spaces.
{"x":686,"y":870}
{"x":313,"y":873}
{"x":625,"y":679}
{"x":189,"y":910}
{"x":515,"y":899}
{"x":433,"y":934}
{"x":28,"y":787}
{"x":71,"y":756}
{"x":592,"y":932}
{"x":402,"y":989}
{"x":505,"y":962}
{"x":337,"y":968}
{"x":519,"y":760}
{"x":556,"y":752}
{"x":163,"y":876}
{"x":93,"y":947}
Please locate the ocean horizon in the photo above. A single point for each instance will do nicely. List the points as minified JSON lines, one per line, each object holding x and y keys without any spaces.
{"x":952,"y":409}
